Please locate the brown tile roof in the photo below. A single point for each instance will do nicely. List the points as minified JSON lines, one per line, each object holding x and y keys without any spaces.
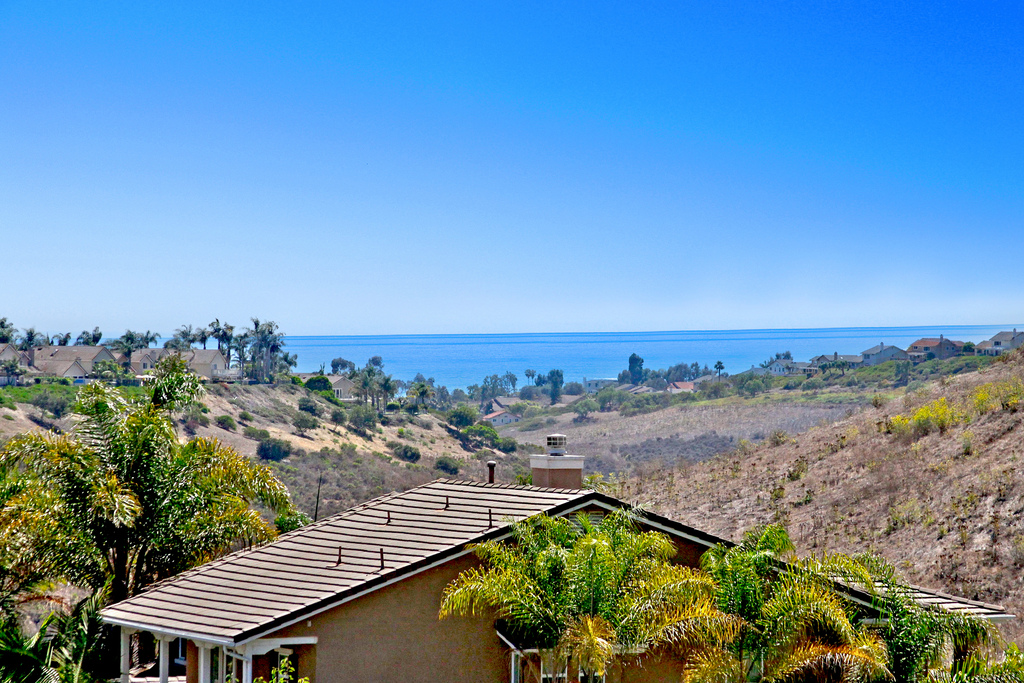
{"x":253,"y":591}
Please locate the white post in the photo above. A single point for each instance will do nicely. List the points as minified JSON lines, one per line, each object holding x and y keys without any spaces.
{"x":222,"y":665}
{"x":203,"y":650}
{"x":247,"y":671}
{"x":165,"y":659}
{"x":126,"y":653}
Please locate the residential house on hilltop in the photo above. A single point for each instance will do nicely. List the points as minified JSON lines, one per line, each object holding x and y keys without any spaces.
{"x":592,"y":386}
{"x":930,"y":347}
{"x":355,"y":597}
{"x":341,"y":385}
{"x":10,"y":352}
{"x":1000,"y":343}
{"x":680,"y":387}
{"x":56,"y":360}
{"x":851,"y":360}
{"x":881,"y":353}
{"x":780,"y":367}
{"x":208,"y":363}
{"x":500,"y":418}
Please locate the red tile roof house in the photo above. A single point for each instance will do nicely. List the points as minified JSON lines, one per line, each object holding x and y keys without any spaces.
{"x":355,"y":597}
{"x":499,"y":418}
{"x":941,"y":348}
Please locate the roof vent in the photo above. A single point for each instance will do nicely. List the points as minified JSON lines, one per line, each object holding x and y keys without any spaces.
{"x":556,"y":444}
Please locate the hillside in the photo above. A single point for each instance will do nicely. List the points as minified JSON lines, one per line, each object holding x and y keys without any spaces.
{"x":931,"y":480}
{"x":355,"y":467}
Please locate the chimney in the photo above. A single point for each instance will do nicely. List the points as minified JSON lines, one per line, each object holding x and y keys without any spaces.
{"x":556,"y":469}
{"x":491,"y":464}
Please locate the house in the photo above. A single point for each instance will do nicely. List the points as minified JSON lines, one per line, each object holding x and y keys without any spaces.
{"x":355,"y":597}
{"x":881,"y":353}
{"x":704,"y":379}
{"x":500,"y":418}
{"x":49,"y":359}
{"x":70,"y":369}
{"x":930,"y":347}
{"x":680,"y":388}
{"x":592,"y":386}
{"x":11,"y":352}
{"x":754,"y":370}
{"x":781,"y":367}
{"x":505,"y":402}
{"x":208,"y":363}
{"x":341,"y":385}
{"x":1000,"y":343}
{"x":850,"y":359}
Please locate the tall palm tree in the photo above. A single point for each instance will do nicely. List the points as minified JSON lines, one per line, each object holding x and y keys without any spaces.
{"x":591,"y":594}
{"x":201,"y":336}
{"x":388,"y":388}
{"x":87,"y":338}
{"x":719,"y":366}
{"x":32,"y":337}
{"x":155,"y":507}
{"x":797,"y":625}
{"x":8,"y":332}
{"x":421,"y":392}
{"x":61,"y":339}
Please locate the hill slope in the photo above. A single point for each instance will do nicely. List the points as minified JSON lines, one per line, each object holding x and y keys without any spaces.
{"x":946,"y":506}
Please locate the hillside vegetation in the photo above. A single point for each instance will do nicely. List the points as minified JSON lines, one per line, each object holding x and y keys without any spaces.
{"x":931,"y":480}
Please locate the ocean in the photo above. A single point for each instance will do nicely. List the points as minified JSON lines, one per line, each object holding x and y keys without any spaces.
{"x":458,"y":360}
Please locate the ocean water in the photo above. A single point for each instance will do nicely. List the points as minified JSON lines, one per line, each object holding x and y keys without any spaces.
{"x":458,"y":360}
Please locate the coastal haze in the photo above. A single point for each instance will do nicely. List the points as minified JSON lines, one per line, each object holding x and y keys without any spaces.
{"x":459,"y":360}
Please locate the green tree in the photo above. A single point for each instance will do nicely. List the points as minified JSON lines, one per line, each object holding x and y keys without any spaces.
{"x":719,"y":366}
{"x":87,"y":338}
{"x":530,"y":374}
{"x":590,"y":593}
{"x":154,"y":506}
{"x":555,"y":379}
{"x":421,"y":392}
{"x":362,"y":419}
{"x":318,"y":383}
{"x":636,"y":369}
{"x":584,"y":407}
{"x":32,"y":337}
{"x":338,"y":417}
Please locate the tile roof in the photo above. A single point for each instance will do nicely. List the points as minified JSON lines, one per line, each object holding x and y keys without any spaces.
{"x":253,"y":591}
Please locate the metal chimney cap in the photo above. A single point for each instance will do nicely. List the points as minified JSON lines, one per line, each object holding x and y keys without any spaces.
{"x":556,"y":444}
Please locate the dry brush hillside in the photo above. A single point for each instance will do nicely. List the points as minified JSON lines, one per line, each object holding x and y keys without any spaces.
{"x":947,"y":506}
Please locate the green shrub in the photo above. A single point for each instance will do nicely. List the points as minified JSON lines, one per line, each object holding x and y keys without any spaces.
{"x":308,"y":405}
{"x":52,"y":402}
{"x":793,"y":383}
{"x":318,"y":383}
{"x":506,"y":444}
{"x":362,"y":418}
{"x":339,"y":416}
{"x":485,"y":433}
{"x":462,"y":416}
{"x":447,"y":464}
{"x":572,"y":389}
{"x":226,"y":422}
{"x":813,"y":384}
{"x":246,"y":416}
{"x":274,"y":449}
{"x":303,"y":422}
{"x":256,"y":434}
{"x":778,"y":437}
{"x":404,"y":451}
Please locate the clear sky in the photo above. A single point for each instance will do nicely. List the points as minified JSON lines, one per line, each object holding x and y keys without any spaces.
{"x":511,"y":166}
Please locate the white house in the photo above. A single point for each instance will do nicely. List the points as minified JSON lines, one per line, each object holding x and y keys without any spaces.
{"x":1001,"y":343}
{"x":592,"y":386}
{"x":500,"y":418}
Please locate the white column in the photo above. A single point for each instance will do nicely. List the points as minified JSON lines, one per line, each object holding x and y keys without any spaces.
{"x":203,"y":650}
{"x":222,"y":665}
{"x":165,"y":658}
{"x":247,"y":671}
{"x":126,"y":653}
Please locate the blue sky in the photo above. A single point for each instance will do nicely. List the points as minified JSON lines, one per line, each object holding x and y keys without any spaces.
{"x":504,"y":167}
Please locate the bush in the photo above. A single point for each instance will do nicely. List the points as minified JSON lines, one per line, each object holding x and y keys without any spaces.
{"x":246,"y":416}
{"x":274,"y":449}
{"x":778,"y":437}
{"x":226,"y":422}
{"x":793,"y":383}
{"x":52,"y":402}
{"x":256,"y":434}
{"x":530,"y":393}
{"x":813,"y":384}
{"x":308,"y":405}
{"x":462,"y":416}
{"x":339,"y":416}
{"x":318,"y":383}
{"x":447,"y":464}
{"x":572,"y":389}
{"x":483,"y":432}
{"x":362,"y":418}
{"x":404,"y":451}
{"x":303,"y":422}
{"x":506,"y":444}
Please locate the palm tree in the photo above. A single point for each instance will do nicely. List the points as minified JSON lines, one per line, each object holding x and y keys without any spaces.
{"x":32,"y":337}
{"x":201,"y":336}
{"x":87,"y":338}
{"x":530,"y":374}
{"x":130,"y":342}
{"x":797,"y":625}
{"x":8,"y":332}
{"x":421,"y":392}
{"x":591,"y":594}
{"x":61,"y":339}
{"x":719,"y":366}
{"x":156,"y":507}
{"x":388,"y":389}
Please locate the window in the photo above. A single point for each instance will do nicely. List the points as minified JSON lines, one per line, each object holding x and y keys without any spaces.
{"x":549,"y":671}
{"x":181,"y":648}
{"x":517,"y":668}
